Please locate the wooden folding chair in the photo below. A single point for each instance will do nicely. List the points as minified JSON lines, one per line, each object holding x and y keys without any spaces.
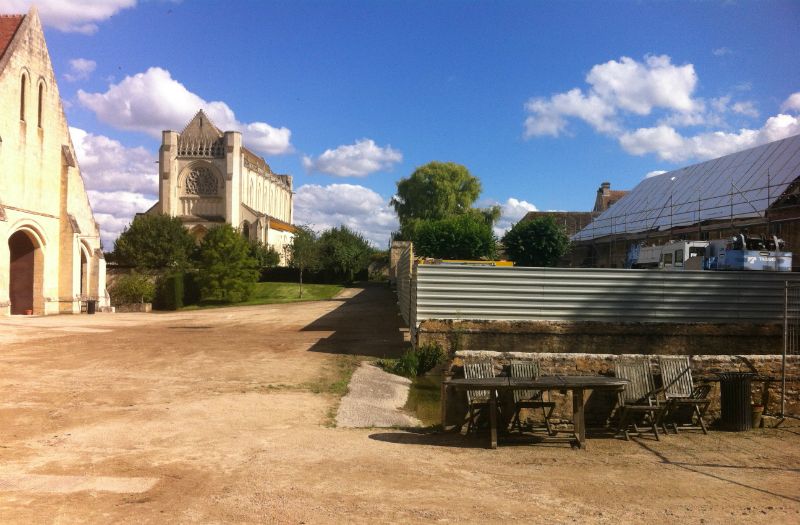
{"x":639,"y":401}
{"x":686,"y":404}
{"x":529,"y":369}
{"x":477,"y":400}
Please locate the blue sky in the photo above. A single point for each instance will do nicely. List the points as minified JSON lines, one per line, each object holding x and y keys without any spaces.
{"x":541,"y":101}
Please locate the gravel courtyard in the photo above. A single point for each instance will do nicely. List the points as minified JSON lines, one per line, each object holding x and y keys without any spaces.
{"x":223,"y":416}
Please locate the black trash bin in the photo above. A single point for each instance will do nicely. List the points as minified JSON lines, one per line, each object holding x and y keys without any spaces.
{"x":91,"y":306}
{"x":735,"y":400}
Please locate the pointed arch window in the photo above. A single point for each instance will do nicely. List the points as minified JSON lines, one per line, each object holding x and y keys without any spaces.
{"x":22,"y":85}
{"x":41,"y":101}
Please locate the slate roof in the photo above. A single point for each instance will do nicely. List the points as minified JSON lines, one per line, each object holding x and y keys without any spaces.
{"x":741,"y":185}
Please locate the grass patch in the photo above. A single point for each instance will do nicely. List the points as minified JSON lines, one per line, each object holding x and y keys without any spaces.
{"x":277,"y":293}
{"x":335,"y":378}
{"x":334,"y":382}
{"x":424,"y":399}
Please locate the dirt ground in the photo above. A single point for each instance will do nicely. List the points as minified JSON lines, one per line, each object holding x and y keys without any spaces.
{"x":220,"y":416}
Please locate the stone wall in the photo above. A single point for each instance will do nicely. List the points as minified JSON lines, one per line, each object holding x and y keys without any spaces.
{"x":594,"y":337}
{"x":766,"y":387}
{"x":41,"y":189}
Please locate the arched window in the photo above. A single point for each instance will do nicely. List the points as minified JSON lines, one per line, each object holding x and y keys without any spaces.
{"x":246,"y":230}
{"x":41,"y":101}
{"x":22,"y":85}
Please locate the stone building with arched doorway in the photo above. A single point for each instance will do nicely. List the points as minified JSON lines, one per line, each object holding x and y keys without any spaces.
{"x":50,"y":256}
{"x":208,"y":177}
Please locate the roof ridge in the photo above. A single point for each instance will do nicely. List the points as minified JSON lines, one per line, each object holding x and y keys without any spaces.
{"x":208,"y":120}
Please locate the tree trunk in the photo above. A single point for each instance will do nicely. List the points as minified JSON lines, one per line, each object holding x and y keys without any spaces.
{"x":301,"y":281}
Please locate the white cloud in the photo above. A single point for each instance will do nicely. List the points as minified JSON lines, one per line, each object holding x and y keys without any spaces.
{"x":153,"y":101}
{"x":642,"y":103}
{"x":670,"y":145}
{"x":354,"y":160}
{"x":624,"y":86}
{"x":548,"y":114}
{"x":746,"y":108}
{"x":79,"y":69}
{"x":354,"y":206}
{"x":639,"y":87}
{"x":107,"y":165}
{"x":120,"y":181}
{"x":792,"y":103}
{"x":654,"y":173}
{"x":70,"y":16}
{"x":114,"y":210}
{"x":721,"y":51}
{"x":511,"y":212}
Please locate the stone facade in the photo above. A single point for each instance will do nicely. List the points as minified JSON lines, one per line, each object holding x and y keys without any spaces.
{"x":50,"y":256}
{"x":207,"y":177}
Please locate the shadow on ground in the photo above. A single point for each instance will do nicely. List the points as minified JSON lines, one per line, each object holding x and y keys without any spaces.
{"x":428,"y":437}
{"x":366,"y":324}
{"x":697,"y":468}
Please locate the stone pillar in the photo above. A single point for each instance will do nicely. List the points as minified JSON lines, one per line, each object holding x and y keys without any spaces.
{"x":233,"y":177}
{"x":167,"y":180}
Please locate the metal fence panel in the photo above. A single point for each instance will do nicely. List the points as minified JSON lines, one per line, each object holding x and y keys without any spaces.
{"x":596,"y":294}
{"x":405,"y":268}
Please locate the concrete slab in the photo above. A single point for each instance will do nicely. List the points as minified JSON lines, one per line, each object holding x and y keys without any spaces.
{"x":375,"y":399}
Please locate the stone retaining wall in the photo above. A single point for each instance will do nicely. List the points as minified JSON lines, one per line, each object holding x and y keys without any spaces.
{"x":766,"y":388}
{"x":594,"y":337}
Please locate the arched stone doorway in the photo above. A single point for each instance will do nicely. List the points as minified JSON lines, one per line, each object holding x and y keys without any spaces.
{"x":84,"y":273}
{"x":25,"y":274}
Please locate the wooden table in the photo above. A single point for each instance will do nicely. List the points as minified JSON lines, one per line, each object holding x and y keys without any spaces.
{"x":576,"y":384}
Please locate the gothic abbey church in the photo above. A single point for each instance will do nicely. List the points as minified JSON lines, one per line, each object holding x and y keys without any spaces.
{"x":50,"y":256}
{"x":208,"y":177}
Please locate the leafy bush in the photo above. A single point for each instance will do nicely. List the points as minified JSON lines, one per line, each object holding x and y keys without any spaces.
{"x":539,"y":242}
{"x":132,"y":288}
{"x":415,"y":362}
{"x":191,"y":289}
{"x":429,"y":356}
{"x":266,"y":256}
{"x":344,"y":252}
{"x":154,"y":242}
{"x":169,"y":292}
{"x":467,"y":236}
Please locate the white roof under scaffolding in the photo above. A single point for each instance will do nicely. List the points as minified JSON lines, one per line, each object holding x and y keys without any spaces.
{"x":739,"y":185}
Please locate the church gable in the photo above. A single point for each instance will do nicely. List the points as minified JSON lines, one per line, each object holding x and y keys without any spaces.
{"x":201,"y":138}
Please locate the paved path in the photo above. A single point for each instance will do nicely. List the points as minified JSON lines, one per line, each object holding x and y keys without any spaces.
{"x":375,"y":399}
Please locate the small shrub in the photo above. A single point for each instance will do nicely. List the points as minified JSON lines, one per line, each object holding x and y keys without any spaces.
{"x":169,"y":292}
{"x":132,"y":288}
{"x":429,"y":356}
{"x":191,"y":289}
{"x":415,"y":363}
{"x":407,"y":365}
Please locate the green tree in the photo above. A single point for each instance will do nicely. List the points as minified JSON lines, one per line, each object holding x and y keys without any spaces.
{"x":539,"y":242}
{"x":265,"y":256}
{"x":153,"y":242}
{"x":467,"y":236}
{"x":434,"y":191}
{"x":132,"y":288}
{"x":226,"y":270}
{"x":344,"y":252}
{"x":304,"y":251}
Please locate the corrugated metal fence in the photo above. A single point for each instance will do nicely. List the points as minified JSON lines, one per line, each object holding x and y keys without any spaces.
{"x":593,"y":294}
{"x":405,"y":275}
